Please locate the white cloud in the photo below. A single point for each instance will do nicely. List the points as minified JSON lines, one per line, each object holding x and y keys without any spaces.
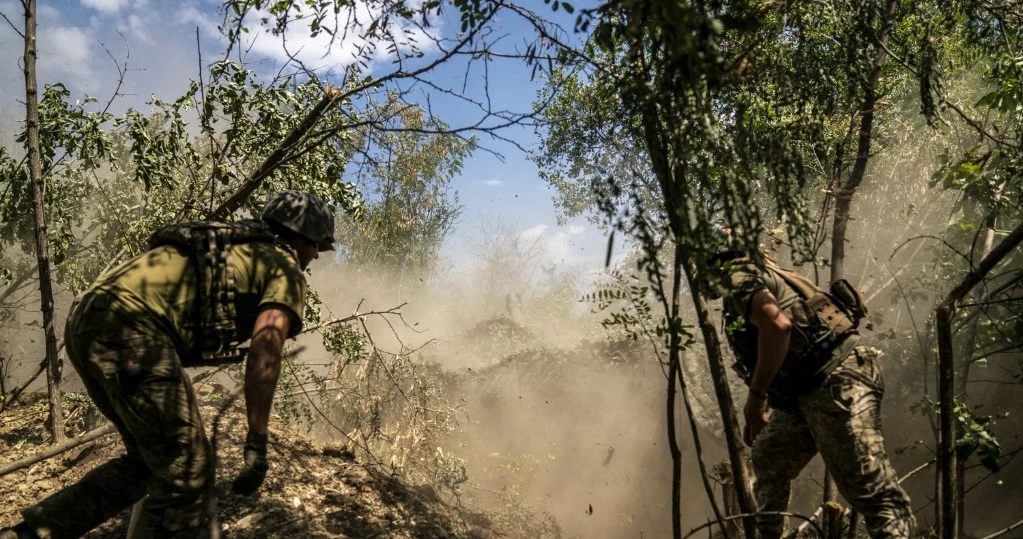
{"x":320,"y":52}
{"x":66,"y":49}
{"x":575,"y":230}
{"x":493,"y":183}
{"x":192,"y":16}
{"x":105,"y":6}
{"x":558,"y":246}
{"x":137,"y":27}
{"x":533,"y":233}
{"x":45,"y":13}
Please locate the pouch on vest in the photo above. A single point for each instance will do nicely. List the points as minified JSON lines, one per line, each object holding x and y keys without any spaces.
{"x":849,"y":298}
{"x":209,"y":244}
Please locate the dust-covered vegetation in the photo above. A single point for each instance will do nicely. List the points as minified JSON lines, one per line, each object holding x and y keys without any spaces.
{"x":875,"y":141}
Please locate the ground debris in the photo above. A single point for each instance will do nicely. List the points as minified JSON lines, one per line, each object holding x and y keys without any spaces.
{"x":312,"y":490}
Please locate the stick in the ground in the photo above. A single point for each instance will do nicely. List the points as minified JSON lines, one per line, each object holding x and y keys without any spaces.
{"x":58,"y":449}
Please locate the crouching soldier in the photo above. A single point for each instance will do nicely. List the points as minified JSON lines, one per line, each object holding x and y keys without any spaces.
{"x":202,"y":289}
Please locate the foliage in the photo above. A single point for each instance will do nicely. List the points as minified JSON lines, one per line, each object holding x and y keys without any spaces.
{"x":73,"y":144}
{"x":411,"y":211}
{"x":388,"y":406}
{"x":134,"y":173}
{"x":977,"y":437}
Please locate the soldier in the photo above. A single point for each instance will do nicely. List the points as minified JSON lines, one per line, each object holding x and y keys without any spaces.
{"x":801,"y":356}
{"x":190,"y":300}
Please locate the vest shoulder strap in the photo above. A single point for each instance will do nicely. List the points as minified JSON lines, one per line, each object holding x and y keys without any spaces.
{"x":802,"y":285}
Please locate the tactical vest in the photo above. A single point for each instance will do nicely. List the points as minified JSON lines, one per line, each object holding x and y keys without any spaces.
{"x":208,"y":244}
{"x":820,"y":320}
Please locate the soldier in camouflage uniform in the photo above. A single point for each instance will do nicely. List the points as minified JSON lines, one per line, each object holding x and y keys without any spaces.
{"x":132,"y":333}
{"x":823,"y":387}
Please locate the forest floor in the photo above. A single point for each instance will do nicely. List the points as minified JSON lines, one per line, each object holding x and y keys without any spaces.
{"x":312,"y":490}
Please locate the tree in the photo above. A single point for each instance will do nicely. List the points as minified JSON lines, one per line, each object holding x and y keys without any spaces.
{"x":673,"y":117}
{"x":412,"y":210}
{"x":297,"y":128}
{"x":989,"y":175}
{"x":505,"y":259}
{"x":35,"y":173}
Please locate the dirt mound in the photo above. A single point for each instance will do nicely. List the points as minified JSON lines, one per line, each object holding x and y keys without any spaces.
{"x":312,"y":490}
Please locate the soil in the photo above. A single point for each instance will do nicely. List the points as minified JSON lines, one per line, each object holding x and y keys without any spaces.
{"x":312,"y":490}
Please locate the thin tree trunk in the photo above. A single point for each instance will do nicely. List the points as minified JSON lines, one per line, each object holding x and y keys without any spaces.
{"x":675,"y":377}
{"x":946,"y":416}
{"x":671,"y":181}
{"x":674,"y":364}
{"x":946,"y":380}
{"x":676,"y":453}
{"x":39,"y":207}
{"x":969,"y":341}
{"x":845,"y":192}
{"x":719,"y":375}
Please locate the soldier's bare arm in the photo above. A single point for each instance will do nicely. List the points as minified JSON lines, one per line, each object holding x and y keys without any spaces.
{"x":263,"y":366}
{"x":773,"y":343}
{"x":775,"y":328}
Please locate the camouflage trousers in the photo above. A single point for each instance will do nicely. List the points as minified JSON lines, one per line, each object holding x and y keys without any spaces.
{"x":841,"y":420}
{"x":137,"y":382}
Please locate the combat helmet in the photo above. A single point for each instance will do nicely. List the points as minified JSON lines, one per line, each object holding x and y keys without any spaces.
{"x":304,"y":214}
{"x":724,"y":245}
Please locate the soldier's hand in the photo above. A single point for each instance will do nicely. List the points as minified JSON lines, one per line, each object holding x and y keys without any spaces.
{"x":254,"y":471}
{"x":756,"y":418}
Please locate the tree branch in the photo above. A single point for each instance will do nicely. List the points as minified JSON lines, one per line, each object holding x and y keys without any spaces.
{"x":58,"y":449}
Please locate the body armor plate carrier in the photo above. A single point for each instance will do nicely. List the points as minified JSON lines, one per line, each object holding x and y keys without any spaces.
{"x":820,"y":321}
{"x":214,"y":331}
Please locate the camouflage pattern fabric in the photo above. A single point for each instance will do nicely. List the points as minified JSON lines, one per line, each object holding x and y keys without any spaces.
{"x":842,"y":420}
{"x":137,"y":382}
{"x":157,"y":293}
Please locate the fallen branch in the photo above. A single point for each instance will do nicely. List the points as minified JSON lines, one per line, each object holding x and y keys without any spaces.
{"x":1005,"y":531}
{"x":758,"y":514}
{"x":58,"y":449}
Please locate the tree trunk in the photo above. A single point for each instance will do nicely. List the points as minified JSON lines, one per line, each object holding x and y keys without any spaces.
{"x":946,"y":380}
{"x":967,"y":344}
{"x":845,"y":192}
{"x":676,"y":453}
{"x":946,"y":414}
{"x":675,"y":377}
{"x":674,"y":364}
{"x":671,"y":182}
{"x":719,"y":374}
{"x":39,"y":206}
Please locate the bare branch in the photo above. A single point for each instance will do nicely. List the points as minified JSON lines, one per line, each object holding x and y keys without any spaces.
{"x":15,"y":28}
{"x":58,"y":449}
{"x":757,"y":514}
{"x":1005,"y":531}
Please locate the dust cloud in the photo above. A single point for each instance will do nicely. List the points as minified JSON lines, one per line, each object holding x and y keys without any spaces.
{"x":557,"y":423}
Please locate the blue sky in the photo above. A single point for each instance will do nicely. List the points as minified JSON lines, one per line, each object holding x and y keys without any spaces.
{"x":158,"y":39}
